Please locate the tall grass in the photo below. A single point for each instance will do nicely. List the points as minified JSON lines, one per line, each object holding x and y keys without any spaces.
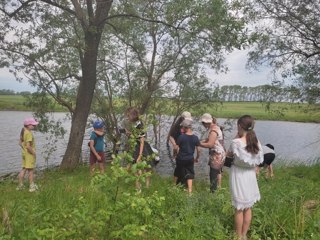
{"x":71,"y":205}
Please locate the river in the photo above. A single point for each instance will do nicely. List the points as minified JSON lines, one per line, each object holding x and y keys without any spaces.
{"x":295,"y":143}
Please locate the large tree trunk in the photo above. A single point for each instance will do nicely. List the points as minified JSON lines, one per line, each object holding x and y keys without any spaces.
{"x":84,"y":99}
{"x":93,"y":29}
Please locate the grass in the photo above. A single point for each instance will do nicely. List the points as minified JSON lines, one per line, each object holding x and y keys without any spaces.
{"x":12,"y":103}
{"x":71,"y":205}
{"x":263,"y":111}
{"x":17,"y":103}
{"x":296,"y":112}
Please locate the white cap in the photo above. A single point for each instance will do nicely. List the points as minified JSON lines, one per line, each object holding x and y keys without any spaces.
{"x":206,"y":118}
{"x":187,"y":123}
{"x":186,"y":115}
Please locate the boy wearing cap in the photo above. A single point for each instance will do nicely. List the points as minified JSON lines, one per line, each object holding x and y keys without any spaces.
{"x":187,"y":144}
{"x":27,"y":144}
{"x":96,"y":145}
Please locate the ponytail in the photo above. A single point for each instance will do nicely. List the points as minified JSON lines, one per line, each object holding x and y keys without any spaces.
{"x":246,"y":122}
{"x":252,"y":142}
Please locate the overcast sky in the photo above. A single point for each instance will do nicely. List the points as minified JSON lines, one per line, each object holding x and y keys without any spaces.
{"x":237,"y":74}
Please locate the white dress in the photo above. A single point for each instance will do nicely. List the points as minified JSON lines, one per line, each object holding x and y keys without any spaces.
{"x":243,"y":181}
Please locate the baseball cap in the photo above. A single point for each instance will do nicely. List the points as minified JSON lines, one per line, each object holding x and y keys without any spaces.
{"x":206,"y":118}
{"x":186,"y":115}
{"x":30,"y":121}
{"x":98,"y":124}
{"x":187,"y":123}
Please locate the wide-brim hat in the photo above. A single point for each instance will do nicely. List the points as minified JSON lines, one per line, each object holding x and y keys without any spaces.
{"x":186,"y":115}
{"x":206,"y":118}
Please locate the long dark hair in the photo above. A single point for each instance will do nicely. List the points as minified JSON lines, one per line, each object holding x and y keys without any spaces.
{"x":246,"y":122}
{"x":176,"y":127}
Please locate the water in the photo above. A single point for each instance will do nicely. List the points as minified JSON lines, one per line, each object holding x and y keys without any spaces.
{"x":295,"y":143}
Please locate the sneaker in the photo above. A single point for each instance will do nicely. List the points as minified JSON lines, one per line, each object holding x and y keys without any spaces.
{"x":33,"y":187}
{"x":20,"y":187}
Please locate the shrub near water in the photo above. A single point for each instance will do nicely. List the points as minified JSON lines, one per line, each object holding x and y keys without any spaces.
{"x":70,"y":206}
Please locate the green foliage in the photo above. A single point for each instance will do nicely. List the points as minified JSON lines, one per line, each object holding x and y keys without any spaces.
{"x":68,"y":206}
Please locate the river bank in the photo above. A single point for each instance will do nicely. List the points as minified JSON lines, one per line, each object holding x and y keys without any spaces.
{"x":295,"y":112}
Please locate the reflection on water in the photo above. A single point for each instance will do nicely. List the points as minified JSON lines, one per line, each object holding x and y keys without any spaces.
{"x":294,"y":142}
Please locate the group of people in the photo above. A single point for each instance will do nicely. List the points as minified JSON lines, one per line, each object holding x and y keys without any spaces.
{"x":246,"y":151}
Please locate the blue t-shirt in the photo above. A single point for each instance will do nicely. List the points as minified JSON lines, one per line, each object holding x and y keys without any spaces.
{"x":187,"y":145}
{"x":98,"y":142}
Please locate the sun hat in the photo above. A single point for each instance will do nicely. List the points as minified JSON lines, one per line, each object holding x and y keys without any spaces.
{"x":30,"y":121}
{"x":186,"y":115}
{"x":98,"y":124}
{"x":187,"y":123}
{"x":206,"y":118}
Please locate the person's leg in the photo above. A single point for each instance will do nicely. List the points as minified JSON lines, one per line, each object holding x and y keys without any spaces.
{"x":138,"y":183}
{"x":189,"y":183}
{"x":214,"y":179}
{"x":21,"y":176}
{"x":148,"y":181}
{"x":101,"y":167}
{"x":247,"y":215}
{"x":92,"y":161}
{"x":102,"y":162}
{"x":30,"y":173}
{"x":238,"y":222}
{"x":258,"y":170}
{"x":219,"y":179}
{"x":270,"y":169}
{"x":92,"y":168}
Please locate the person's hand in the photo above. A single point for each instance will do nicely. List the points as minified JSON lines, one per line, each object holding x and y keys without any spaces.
{"x":98,"y":157}
{"x":139,"y":158}
{"x":196,"y":160}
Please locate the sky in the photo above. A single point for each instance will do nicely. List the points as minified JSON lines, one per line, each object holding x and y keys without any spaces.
{"x":237,"y":75}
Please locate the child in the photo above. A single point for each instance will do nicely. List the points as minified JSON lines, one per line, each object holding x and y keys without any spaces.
{"x":174,"y":133}
{"x":27,"y":144}
{"x":135,"y":129}
{"x":187,"y":144}
{"x":268,"y":157}
{"x":247,"y":153}
{"x":96,"y":145}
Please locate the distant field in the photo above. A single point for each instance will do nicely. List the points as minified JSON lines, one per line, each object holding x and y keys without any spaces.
{"x":16,"y":103}
{"x":276,"y":111}
{"x":12,"y":103}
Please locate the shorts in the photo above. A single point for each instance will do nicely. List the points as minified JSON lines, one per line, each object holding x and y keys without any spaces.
{"x":28,"y":161}
{"x":184,"y":170}
{"x":267,"y":159}
{"x":94,"y":160}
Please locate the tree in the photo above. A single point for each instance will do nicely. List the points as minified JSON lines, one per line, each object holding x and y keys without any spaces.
{"x":52,"y":56}
{"x":288,"y":39}
{"x":56,"y":45}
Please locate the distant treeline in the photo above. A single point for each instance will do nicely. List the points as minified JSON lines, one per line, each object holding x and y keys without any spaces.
{"x":11,"y":92}
{"x":237,"y":93}
{"x":264,"y":93}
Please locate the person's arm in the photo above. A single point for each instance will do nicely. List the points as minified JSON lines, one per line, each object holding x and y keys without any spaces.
{"x":140,"y":149}
{"x":198,"y":153}
{"x":93,"y":150}
{"x":173,"y":142}
{"x":212,"y":138}
{"x":30,"y":149}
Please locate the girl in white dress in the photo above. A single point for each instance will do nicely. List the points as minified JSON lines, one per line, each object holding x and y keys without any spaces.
{"x":247,"y":153}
